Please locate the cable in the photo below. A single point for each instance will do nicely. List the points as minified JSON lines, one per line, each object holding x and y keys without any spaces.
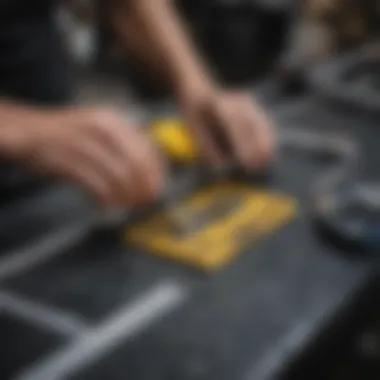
{"x":345,"y":211}
{"x":340,"y":149}
{"x":332,"y":80}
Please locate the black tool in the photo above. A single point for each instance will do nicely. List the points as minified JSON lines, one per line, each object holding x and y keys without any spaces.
{"x":344,"y":211}
{"x":350,"y":218}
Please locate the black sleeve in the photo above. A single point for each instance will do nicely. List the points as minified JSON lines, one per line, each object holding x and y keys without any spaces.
{"x":33,"y":65}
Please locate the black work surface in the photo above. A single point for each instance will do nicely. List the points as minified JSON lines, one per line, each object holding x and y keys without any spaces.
{"x":245,"y":322}
{"x":35,"y":343}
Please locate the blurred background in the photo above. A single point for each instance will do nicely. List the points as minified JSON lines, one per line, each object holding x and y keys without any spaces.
{"x":242,"y":40}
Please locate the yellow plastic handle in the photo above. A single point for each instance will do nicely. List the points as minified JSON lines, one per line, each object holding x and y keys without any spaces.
{"x":175,"y":140}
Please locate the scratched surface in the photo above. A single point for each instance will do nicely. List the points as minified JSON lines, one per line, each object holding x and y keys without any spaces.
{"x":105,"y":311}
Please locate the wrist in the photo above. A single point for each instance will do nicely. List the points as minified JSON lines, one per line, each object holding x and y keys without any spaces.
{"x":194,"y":86}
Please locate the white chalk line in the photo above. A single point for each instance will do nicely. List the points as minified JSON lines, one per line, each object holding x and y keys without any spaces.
{"x":271,"y":359}
{"x":46,"y":317}
{"x":124,"y":324}
{"x":26,"y":258}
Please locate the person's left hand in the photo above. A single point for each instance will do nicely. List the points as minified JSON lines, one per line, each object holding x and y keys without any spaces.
{"x":230,"y":128}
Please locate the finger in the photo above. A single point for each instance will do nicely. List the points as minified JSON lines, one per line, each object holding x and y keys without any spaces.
{"x":209,"y":148}
{"x":137,"y":154}
{"x":259,"y":132}
{"x":249,"y":146}
{"x":107,"y":165}
{"x":150,"y":168}
{"x":91,"y":182}
{"x":79,"y":173}
{"x":264,"y":133}
{"x":160,"y":171}
{"x":230,"y":122}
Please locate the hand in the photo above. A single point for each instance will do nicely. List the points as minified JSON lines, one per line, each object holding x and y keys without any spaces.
{"x":230,"y":128}
{"x":96,"y":149}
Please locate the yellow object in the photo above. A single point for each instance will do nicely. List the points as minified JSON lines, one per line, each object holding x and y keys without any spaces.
{"x":211,"y":227}
{"x":175,"y":140}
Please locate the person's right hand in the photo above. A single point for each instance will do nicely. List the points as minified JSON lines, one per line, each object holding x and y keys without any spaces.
{"x":94,"y":148}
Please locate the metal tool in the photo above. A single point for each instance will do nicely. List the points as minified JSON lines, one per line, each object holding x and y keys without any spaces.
{"x":340,"y":149}
{"x":189,"y":183}
{"x":335,"y":196}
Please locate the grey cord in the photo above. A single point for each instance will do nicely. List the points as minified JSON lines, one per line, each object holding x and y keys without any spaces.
{"x":341,"y":149}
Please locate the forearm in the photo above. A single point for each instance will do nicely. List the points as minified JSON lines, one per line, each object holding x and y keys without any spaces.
{"x":154,"y":32}
{"x":10,"y":115}
{"x":19,"y":127}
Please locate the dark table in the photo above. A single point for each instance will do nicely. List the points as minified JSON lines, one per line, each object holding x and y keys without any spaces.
{"x":100,"y":310}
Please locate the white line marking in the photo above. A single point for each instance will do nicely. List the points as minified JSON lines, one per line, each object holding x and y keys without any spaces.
{"x":55,"y":320}
{"x":24,"y":259}
{"x":126,"y":323}
{"x":288,"y":345}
